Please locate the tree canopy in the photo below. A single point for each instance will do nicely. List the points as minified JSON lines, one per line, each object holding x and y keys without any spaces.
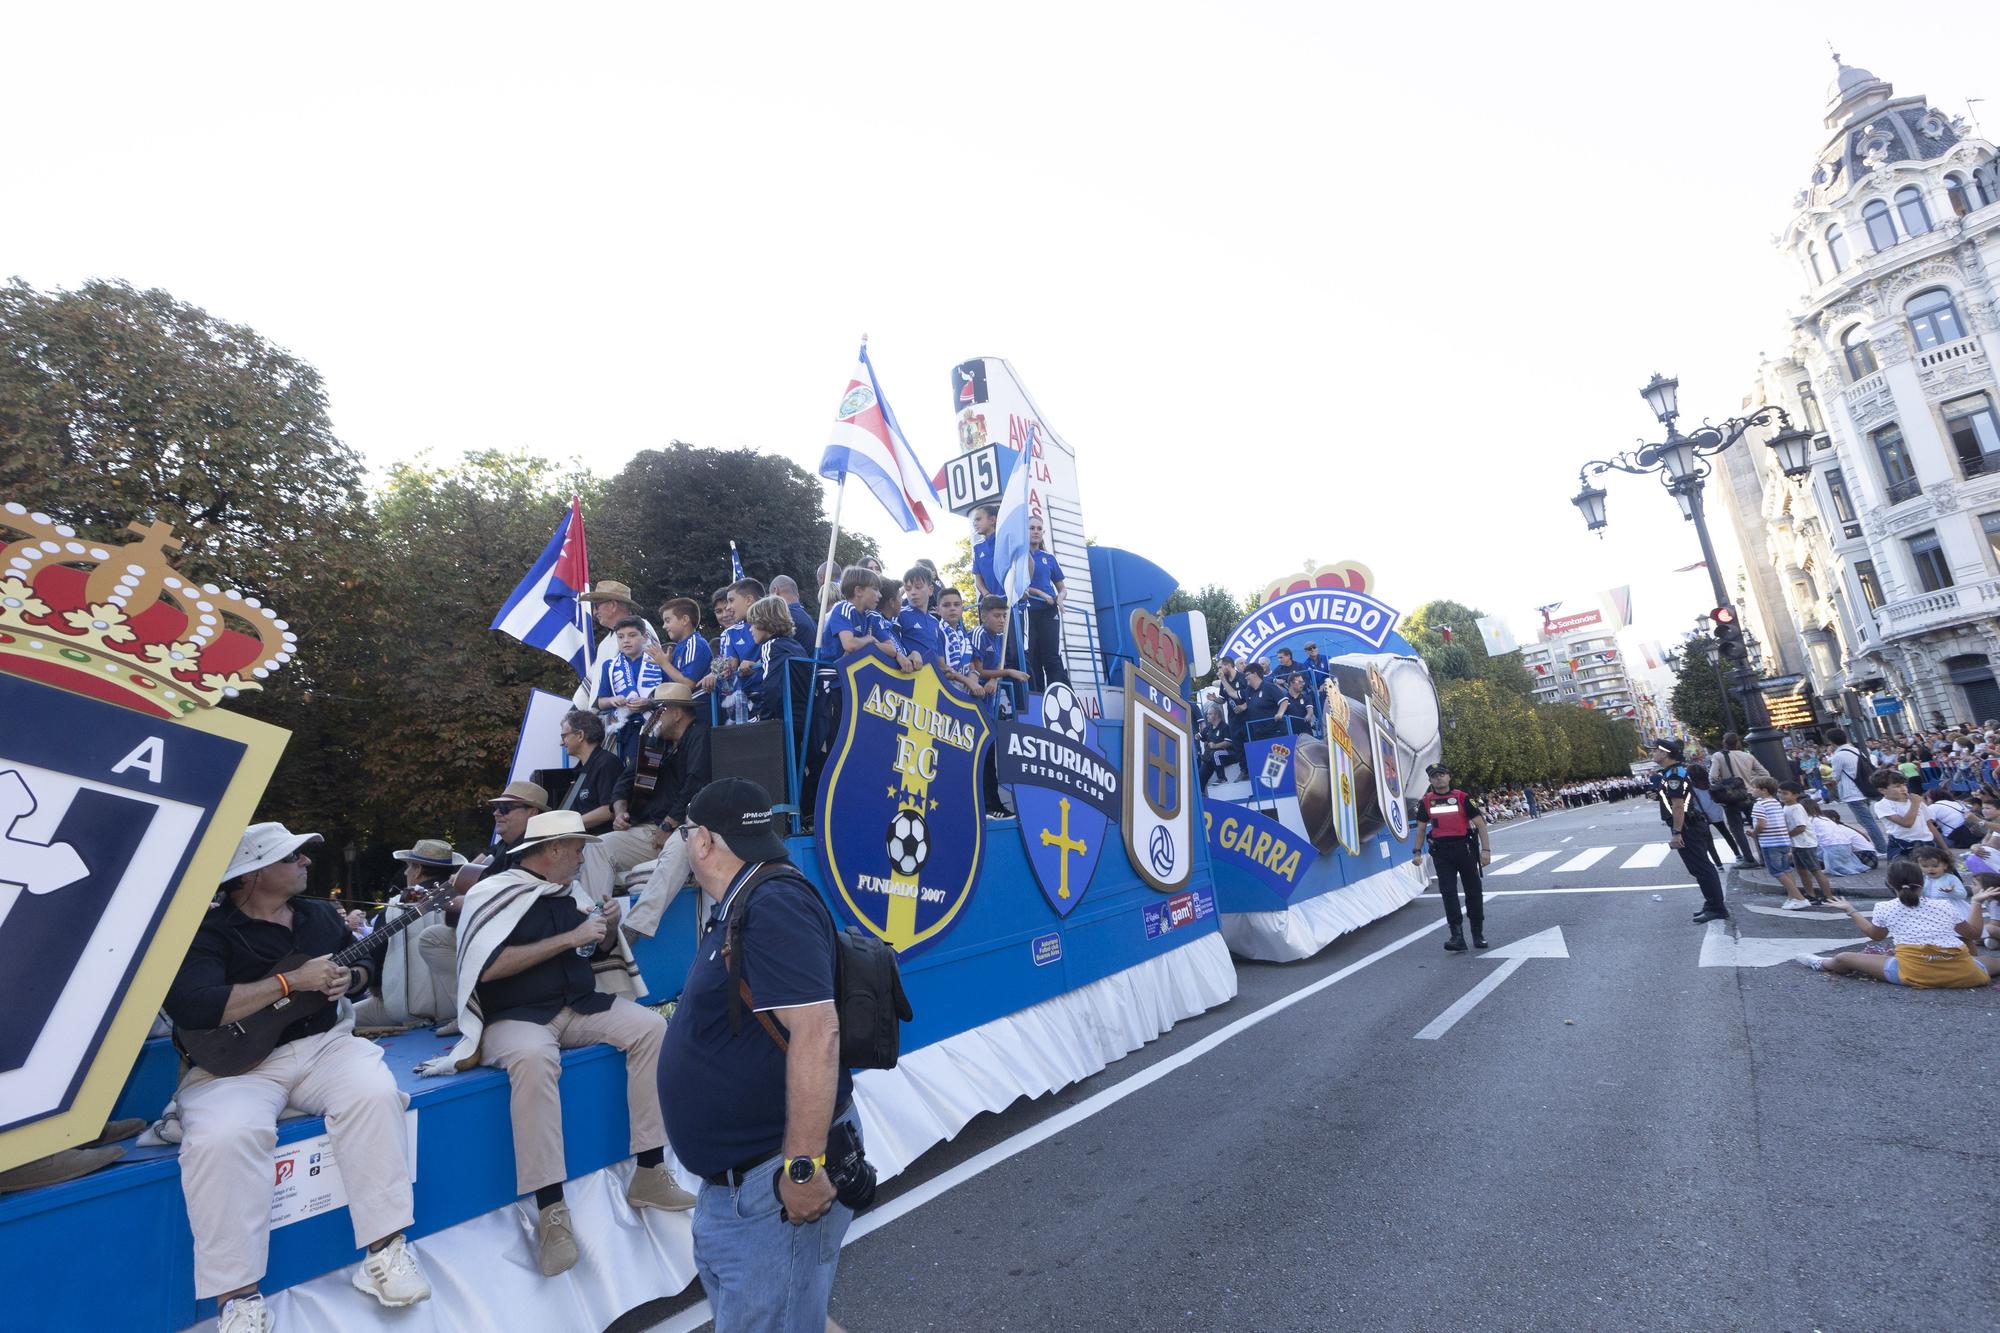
{"x":1697,"y":698}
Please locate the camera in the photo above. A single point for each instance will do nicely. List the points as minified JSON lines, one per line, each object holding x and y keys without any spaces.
{"x":847,"y":1168}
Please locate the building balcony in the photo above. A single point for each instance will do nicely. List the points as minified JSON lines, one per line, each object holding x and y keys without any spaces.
{"x":1934,"y":610}
{"x":1900,"y":491}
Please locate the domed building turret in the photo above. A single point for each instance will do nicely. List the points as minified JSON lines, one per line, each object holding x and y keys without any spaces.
{"x":1879,"y":573}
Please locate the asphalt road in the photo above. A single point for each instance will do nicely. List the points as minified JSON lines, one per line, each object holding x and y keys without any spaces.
{"x":1620,"y":1139}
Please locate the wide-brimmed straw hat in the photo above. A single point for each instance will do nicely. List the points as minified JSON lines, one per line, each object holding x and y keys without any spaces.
{"x":430,"y":852}
{"x":553,"y":826}
{"x":609,"y":590}
{"x":527,"y":793}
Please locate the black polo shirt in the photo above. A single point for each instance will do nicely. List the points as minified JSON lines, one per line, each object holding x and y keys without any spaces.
{"x":565,"y":981}
{"x":723,"y":1092}
{"x":681,"y":771}
{"x":595,"y":783}
{"x":231,"y":949}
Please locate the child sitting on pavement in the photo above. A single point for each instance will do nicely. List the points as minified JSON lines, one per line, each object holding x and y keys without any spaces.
{"x":1904,"y":821}
{"x":1842,"y":850}
{"x":1940,"y":875}
{"x":1933,"y":947}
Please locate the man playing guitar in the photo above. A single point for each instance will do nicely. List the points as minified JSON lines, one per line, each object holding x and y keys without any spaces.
{"x":230,"y":1123}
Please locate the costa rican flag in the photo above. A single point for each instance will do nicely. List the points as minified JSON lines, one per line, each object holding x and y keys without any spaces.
{"x":543,"y":612}
{"x":868,"y":442}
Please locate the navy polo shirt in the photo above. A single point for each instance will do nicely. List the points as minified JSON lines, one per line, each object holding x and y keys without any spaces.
{"x":723,"y":1092}
{"x":1260,"y":703}
{"x":982,"y":563}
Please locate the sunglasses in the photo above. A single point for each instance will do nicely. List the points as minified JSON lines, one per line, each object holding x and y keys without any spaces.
{"x":510,"y":809}
{"x":293,"y":859}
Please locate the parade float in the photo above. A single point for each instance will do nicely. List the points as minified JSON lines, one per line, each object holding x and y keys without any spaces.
{"x":1312,"y":839}
{"x":1035,"y":949}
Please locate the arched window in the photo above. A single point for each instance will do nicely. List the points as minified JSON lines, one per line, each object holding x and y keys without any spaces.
{"x":1910,"y":208}
{"x":1860,"y":357}
{"x":1836,"y":246}
{"x":1812,"y":261}
{"x":1881,"y":231}
{"x":1809,"y":408}
{"x":1934,"y":319}
{"x":1954,"y":191}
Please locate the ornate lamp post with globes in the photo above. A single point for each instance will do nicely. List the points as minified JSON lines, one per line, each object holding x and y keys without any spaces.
{"x":1682,"y":464}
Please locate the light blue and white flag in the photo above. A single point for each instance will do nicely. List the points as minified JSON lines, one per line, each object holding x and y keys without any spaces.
{"x":1011,"y":553}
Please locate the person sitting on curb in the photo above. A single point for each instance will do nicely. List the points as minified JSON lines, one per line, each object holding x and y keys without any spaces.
{"x":1933,"y":946}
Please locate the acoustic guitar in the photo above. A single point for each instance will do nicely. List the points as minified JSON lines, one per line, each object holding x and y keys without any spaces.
{"x":236,"y":1047}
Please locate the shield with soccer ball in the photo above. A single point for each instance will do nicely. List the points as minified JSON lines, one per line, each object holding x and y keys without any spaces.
{"x":900,"y":828}
{"x":1065,"y":791}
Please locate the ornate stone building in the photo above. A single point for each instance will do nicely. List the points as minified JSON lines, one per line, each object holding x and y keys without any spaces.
{"x":1879,"y":575}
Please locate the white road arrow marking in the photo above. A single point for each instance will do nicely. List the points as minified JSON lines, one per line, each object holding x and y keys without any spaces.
{"x":1547,"y":944}
{"x":1721,"y":949}
{"x":1802,"y":914}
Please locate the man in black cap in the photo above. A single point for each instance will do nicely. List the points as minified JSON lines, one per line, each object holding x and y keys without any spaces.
{"x":1450,"y":820}
{"x":750,"y":1075}
{"x":1677,"y":783}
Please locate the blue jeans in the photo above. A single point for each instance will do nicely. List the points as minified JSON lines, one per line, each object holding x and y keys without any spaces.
{"x":1864,"y":817}
{"x":762,"y":1274}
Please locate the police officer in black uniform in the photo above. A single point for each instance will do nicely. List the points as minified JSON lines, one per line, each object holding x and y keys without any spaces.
{"x":1677,"y":782}
{"x":1451,"y":822}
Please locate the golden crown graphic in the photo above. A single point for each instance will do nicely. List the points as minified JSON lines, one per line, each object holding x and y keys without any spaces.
{"x":119,"y":623}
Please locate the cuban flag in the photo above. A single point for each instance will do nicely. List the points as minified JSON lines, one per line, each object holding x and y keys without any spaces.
{"x":868,"y":442}
{"x":1011,"y":553}
{"x":543,"y":611}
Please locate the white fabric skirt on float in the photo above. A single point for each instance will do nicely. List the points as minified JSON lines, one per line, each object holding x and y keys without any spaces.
{"x":1306,"y":927}
{"x":483,"y":1273}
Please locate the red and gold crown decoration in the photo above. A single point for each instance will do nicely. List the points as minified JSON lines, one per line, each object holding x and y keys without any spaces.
{"x":1349,"y":574}
{"x":1158,"y":647}
{"x":119,"y":623}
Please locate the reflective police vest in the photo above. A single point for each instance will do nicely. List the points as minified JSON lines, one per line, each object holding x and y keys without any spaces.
{"x":1447,"y":813}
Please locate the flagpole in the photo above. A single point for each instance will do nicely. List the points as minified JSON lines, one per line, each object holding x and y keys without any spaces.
{"x":832,"y":538}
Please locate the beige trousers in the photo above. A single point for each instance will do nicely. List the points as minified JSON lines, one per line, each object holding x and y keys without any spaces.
{"x":437,"y":945}
{"x":669,"y":877}
{"x":613,"y":854}
{"x":531,"y":1053}
{"x":230,"y":1127}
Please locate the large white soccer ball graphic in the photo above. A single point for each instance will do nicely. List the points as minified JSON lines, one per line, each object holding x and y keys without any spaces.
{"x":909,"y":842}
{"x":1062,"y":712}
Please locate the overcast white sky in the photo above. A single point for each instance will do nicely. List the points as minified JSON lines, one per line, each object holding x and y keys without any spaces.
{"x":1295,"y":280}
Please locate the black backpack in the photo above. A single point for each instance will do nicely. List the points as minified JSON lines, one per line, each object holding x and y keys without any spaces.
{"x":1864,"y":771}
{"x":867,"y":984}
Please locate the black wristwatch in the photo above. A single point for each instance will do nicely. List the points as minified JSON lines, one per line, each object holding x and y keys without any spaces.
{"x":803,"y":1169}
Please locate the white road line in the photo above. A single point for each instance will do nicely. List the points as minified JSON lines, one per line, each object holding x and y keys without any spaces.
{"x":699,"y":1314}
{"x":1584,"y":860}
{"x":1571,"y":836}
{"x":1595,"y":888}
{"x":1652,"y":854}
{"x":1499,"y":856}
{"x":1528,"y":862}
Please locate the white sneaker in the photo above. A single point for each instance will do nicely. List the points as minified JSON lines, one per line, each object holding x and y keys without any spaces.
{"x":391,"y":1275}
{"x":1813,"y":961}
{"x":1794,"y":905}
{"x":245,"y":1314}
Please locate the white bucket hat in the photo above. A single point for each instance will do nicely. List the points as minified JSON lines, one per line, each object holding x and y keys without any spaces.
{"x":552,"y":825}
{"x":265,"y":845}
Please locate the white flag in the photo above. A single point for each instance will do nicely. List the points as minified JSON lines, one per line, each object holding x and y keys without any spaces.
{"x":1499,"y":639}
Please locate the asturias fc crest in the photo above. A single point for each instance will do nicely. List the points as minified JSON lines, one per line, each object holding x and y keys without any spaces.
{"x":901,"y":833}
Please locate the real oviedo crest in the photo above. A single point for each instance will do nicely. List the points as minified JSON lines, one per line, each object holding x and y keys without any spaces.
{"x":1159,"y":781}
{"x":901,"y":833}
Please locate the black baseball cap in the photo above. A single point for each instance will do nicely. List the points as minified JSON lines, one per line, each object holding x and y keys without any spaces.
{"x":738,"y":811}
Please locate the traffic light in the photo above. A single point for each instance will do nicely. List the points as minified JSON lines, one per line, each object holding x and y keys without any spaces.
{"x":1728,"y":634}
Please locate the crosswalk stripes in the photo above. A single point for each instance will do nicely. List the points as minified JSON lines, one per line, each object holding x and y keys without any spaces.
{"x":1499,"y":857}
{"x":1584,"y":860}
{"x":1528,"y":862}
{"x":1652,"y":854}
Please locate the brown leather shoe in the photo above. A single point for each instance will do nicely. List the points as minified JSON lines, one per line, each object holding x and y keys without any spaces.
{"x":117,"y":1131}
{"x":69,"y":1164}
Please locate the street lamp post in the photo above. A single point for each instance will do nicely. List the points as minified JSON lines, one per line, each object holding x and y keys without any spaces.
{"x":1682,"y":464}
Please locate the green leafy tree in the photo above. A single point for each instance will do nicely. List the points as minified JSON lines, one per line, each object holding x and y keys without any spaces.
{"x":446,"y":710}
{"x":957,"y":573}
{"x":667,"y":518}
{"x":1461,"y":655}
{"x":1218,"y":606}
{"x":120,"y":405}
{"x":1696,"y":698}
